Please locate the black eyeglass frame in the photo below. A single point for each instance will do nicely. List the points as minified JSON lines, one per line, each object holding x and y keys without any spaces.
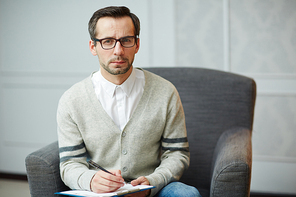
{"x":116,"y":40}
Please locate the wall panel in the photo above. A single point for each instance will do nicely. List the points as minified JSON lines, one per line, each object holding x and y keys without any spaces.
{"x":274,"y":133}
{"x":262,"y":46}
{"x":263,"y":36}
{"x":199,"y":39}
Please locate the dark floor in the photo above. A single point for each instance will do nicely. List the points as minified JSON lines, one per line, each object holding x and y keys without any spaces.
{"x":270,"y":195}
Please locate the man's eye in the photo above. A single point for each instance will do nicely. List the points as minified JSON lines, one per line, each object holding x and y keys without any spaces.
{"x":126,"y":40}
{"x":107,"y":41}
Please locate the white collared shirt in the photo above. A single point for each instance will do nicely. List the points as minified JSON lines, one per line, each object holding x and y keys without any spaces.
{"x":120,"y":101}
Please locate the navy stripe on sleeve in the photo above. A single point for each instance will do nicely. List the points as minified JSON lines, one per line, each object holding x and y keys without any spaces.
{"x":175,"y":140}
{"x":72,"y":148}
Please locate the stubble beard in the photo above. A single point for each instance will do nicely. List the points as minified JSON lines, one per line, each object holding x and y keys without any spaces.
{"x":117,"y":71}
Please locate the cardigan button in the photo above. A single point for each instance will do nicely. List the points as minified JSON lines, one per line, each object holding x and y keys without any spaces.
{"x":124,"y":169}
{"x":124,"y":152}
{"x":123,"y":134}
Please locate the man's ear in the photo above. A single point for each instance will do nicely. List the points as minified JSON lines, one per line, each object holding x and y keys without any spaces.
{"x":137,"y":45}
{"x":92,"y":47}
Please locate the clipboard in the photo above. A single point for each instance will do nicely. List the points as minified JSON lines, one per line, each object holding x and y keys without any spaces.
{"x":126,"y":189}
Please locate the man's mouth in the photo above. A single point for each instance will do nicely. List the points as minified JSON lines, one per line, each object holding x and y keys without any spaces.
{"x":118,"y":61}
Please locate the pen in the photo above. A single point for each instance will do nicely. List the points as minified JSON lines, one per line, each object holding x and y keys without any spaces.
{"x":95,"y":165}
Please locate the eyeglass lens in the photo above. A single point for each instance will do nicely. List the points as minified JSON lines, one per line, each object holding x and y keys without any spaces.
{"x":109,"y":43}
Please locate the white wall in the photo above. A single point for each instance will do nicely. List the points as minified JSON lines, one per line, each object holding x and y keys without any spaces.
{"x":44,"y":50}
{"x":256,"y":38}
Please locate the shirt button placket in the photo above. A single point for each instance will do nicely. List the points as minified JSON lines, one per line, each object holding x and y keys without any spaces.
{"x":124,"y":153}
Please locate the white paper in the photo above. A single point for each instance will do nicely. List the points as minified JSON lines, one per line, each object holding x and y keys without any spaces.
{"x":127,"y":188}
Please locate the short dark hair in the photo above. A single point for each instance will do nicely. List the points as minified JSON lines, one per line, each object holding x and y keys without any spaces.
{"x":115,"y":12}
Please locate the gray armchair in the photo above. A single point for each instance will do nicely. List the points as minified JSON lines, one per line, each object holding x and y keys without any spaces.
{"x":219,"y":110}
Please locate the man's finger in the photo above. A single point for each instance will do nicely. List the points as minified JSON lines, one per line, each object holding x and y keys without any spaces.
{"x":103,"y":182}
{"x":140,"y":181}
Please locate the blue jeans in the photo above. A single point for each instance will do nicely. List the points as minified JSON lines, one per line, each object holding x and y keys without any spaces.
{"x":178,"y":189}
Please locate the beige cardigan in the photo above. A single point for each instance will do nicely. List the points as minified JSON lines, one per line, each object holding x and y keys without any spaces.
{"x":153,"y":143}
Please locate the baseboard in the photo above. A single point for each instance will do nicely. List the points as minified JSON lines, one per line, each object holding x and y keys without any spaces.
{"x":255,"y":194}
{"x":11,"y":176}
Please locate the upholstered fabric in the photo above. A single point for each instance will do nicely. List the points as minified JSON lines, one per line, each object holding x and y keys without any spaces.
{"x":43,"y":171}
{"x":219,"y":111}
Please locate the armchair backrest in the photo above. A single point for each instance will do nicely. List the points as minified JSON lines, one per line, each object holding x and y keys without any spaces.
{"x":214,"y":101}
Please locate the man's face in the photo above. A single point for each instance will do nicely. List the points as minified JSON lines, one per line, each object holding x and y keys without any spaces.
{"x":119,"y":59}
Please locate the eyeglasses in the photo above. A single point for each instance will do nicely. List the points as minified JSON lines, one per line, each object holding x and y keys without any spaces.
{"x":109,"y":43}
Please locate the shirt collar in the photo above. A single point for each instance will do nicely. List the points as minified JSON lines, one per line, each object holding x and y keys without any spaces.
{"x":110,"y":87}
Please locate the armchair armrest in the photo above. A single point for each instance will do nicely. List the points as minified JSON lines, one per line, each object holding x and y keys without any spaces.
{"x":43,"y":171}
{"x":232,"y":164}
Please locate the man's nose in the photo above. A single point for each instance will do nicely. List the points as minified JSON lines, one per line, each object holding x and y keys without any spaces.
{"x":118,"y":49}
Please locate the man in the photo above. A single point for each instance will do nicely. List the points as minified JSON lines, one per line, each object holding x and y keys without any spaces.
{"x":127,"y":120}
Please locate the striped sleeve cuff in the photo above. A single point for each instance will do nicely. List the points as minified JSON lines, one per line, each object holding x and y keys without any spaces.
{"x":175,"y":144}
{"x":72,"y":152}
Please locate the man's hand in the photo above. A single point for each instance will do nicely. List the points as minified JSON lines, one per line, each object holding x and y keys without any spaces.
{"x":140,"y":181}
{"x":103,"y":182}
